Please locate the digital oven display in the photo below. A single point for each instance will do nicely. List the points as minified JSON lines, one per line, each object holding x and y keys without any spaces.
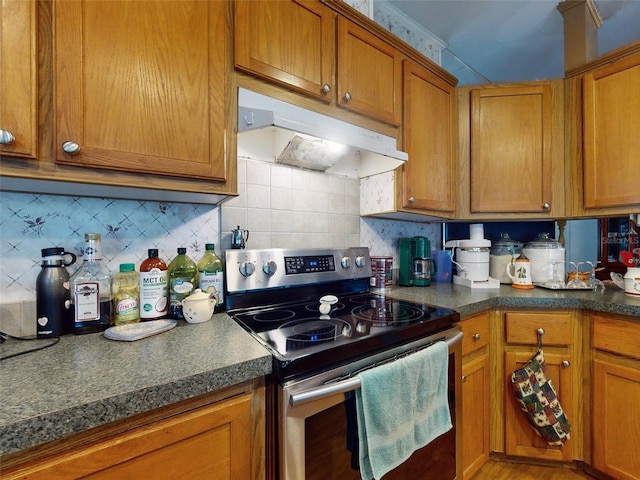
{"x":309,"y":264}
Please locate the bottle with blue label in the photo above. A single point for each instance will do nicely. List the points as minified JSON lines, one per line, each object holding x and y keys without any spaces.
{"x":182,"y":273}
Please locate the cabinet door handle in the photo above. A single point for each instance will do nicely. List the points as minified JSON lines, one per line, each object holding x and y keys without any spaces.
{"x":71,"y":148}
{"x":326,"y":88}
{"x":464,"y":378}
{"x":546,"y":206}
{"x":476,"y":336}
{"x":6,"y":137}
{"x":347,"y":97}
{"x":411,"y":199}
{"x":566,"y":363}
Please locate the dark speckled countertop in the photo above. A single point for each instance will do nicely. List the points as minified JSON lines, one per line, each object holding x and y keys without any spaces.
{"x":468,"y":301}
{"x":86,"y":381}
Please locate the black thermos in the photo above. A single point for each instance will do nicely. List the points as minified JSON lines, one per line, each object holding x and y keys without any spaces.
{"x":53,"y":298}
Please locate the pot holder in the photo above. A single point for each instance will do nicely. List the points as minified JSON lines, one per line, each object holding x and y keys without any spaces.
{"x":539,"y":401}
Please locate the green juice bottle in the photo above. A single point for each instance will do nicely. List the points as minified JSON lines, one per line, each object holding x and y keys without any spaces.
{"x":211,"y":275}
{"x":182,"y":273}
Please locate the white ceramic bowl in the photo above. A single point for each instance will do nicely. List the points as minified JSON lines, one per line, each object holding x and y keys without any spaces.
{"x":198,"y":307}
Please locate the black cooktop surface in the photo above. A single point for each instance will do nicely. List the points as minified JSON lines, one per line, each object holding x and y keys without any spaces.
{"x":302,"y":339}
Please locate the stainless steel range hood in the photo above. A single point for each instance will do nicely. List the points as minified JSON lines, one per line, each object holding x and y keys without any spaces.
{"x":276,"y":131}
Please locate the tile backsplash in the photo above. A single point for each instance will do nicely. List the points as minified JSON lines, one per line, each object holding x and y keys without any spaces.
{"x":285,"y":207}
{"x":282,"y":207}
{"x":31,"y":222}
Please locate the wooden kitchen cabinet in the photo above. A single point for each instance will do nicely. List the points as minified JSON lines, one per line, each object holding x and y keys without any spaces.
{"x":615,"y":413}
{"x":18,"y":78}
{"x":142,"y":86}
{"x":602,"y":134}
{"x":475,"y":393}
{"x":307,"y":46}
{"x":288,"y":42}
{"x":612,"y":134}
{"x":427,"y":182}
{"x":369,"y":74}
{"x":217,"y":440}
{"x":511,"y":159}
{"x":562,"y":352}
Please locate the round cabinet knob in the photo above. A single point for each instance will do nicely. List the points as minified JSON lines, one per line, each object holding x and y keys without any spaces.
{"x":464,"y":378}
{"x":345,"y":262}
{"x":269,"y":267}
{"x":546,"y":206}
{"x":347,"y":97}
{"x":359,"y":261}
{"x":476,"y":336}
{"x":412,"y":199}
{"x":566,"y":363}
{"x":247,"y":269}
{"x":6,"y":137}
{"x":326,"y":88}
{"x":71,"y":147}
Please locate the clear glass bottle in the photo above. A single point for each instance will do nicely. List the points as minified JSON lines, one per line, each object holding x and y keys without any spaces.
{"x":154,"y":292}
{"x":91,"y":290}
{"x":211,"y":275}
{"x":126,"y":295}
{"x":182,"y":273}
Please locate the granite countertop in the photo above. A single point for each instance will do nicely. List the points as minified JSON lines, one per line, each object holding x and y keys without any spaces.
{"x":468,"y":301}
{"x":86,"y":381}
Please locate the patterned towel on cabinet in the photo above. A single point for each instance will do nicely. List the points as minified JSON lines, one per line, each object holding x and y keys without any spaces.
{"x":539,"y":401}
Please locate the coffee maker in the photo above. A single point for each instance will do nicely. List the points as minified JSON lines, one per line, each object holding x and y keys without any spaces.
{"x":416,"y":265}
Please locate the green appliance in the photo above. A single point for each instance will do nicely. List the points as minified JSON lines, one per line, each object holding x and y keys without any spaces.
{"x":416,"y":265}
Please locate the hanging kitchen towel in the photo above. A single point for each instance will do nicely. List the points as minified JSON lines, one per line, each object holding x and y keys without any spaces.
{"x":402,"y":406}
{"x":539,"y":401}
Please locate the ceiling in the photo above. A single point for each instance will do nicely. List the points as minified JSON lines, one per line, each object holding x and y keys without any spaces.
{"x":513,"y":40}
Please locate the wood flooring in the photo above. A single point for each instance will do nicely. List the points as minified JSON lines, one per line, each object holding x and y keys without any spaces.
{"x":494,"y":470}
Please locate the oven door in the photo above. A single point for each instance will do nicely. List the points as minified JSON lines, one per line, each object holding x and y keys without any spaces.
{"x":313,"y":432}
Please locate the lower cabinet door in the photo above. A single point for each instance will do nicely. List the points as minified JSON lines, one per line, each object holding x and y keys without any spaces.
{"x":616,"y":420}
{"x":520,"y":438}
{"x":475,"y":415}
{"x":209,"y":442}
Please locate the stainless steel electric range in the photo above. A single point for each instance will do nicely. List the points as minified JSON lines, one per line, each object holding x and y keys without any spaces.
{"x":314,"y":311}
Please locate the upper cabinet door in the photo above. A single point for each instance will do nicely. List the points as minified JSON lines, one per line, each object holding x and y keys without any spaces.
{"x":18,"y":78}
{"x":428,"y":178}
{"x":369,"y":74}
{"x":511,"y":149}
{"x":290,"y":42}
{"x":142,"y":86}
{"x":612,"y":135}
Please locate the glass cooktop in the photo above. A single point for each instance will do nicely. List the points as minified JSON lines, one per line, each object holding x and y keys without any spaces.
{"x":302,"y":339}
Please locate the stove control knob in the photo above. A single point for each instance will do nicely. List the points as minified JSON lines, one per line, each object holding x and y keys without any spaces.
{"x":345,"y":262}
{"x":359,"y":261}
{"x":269,"y":267}
{"x":247,"y":269}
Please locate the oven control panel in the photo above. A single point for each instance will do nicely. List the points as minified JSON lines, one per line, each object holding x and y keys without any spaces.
{"x":248,"y":270}
{"x":309,"y":264}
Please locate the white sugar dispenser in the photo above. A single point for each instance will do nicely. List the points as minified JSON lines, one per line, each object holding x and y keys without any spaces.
{"x":471,"y":257}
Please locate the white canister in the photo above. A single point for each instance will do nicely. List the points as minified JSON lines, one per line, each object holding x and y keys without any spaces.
{"x":632,"y":282}
{"x":503,"y":251}
{"x":543,"y":253}
{"x":474,"y":262}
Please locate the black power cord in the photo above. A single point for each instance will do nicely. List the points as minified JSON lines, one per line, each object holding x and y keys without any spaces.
{"x":4,"y":336}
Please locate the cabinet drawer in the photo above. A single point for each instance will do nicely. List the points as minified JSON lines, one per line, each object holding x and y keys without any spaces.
{"x":476,"y":332}
{"x":617,"y":336}
{"x":522,"y":327}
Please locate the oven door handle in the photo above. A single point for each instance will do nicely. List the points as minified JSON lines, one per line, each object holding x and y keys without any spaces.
{"x":344,"y":386}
